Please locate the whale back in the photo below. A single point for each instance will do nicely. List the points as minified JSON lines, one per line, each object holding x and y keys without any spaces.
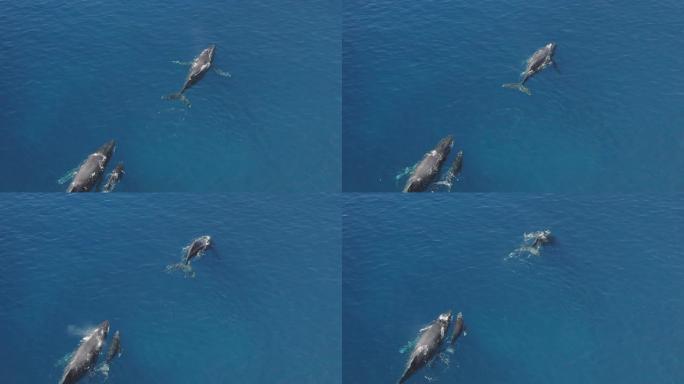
{"x":201,"y":65}
{"x":429,"y":166}
{"x":540,"y":58}
{"x":114,"y":348}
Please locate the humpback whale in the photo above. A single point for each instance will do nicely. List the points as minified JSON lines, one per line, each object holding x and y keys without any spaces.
{"x":538,"y":238}
{"x":85,"y":357}
{"x":541,"y":59}
{"x":198,"y":68}
{"x":90,"y":172}
{"x":453,"y":172}
{"x":195,"y":249}
{"x":429,"y":167}
{"x":114,"y":178}
{"x":533,"y":242}
{"x":456,"y":166}
{"x":459,"y":328}
{"x":428,"y":345}
{"x":114,"y":348}
{"x":192,"y":251}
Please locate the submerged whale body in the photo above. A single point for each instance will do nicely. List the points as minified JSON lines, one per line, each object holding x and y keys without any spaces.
{"x":114,"y":178}
{"x":456,"y":166}
{"x":90,"y":172}
{"x":453,"y":172}
{"x":114,"y":348}
{"x":85,"y":357}
{"x":459,"y":328}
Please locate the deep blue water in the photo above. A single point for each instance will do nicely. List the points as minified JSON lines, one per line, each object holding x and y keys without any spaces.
{"x":612,"y":120}
{"x":78,"y":73}
{"x":248,"y":316}
{"x":602,"y":304}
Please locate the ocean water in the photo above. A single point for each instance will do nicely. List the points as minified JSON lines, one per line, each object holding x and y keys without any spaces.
{"x":610,"y":121}
{"x":602,"y":304}
{"x":69,"y":262}
{"x":78,"y":73}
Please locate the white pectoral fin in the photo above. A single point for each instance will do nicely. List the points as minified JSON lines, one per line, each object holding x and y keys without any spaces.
{"x":406,"y":172}
{"x":64,"y":360}
{"x":68,"y":176}
{"x":409,"y":346}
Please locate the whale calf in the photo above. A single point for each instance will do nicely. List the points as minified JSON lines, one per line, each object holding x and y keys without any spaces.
{"x":85,"y":357}
{"x":459,"y":328}
{"x":455,"y":168}
{"x":541,"y":59}
{"x":90,"y":172}
{"x":427,"y":346}
{"x":453,"y":172}
{"x":114,"y":178}
{"x":429,"y":166}
{"x":114,"y":348}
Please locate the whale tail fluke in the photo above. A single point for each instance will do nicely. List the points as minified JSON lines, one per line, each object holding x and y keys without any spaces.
{"x":185,"y":268}
{"x":519,"y":86}
{"x":524,"y":251}
{"x":177,"y":96}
